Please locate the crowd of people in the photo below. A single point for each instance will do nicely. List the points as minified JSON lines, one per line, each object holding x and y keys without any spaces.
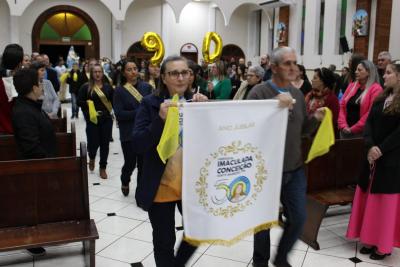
{"x":364,"y":100}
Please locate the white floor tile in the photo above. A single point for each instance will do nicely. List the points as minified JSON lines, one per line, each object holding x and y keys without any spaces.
{"x":18,"y":259}
{"x":116,"y":225}
{"x":127,"y":250}
{"x":134,"y":212}
{"x":393,"y":260}
{"x":210,"y":261}
{"x":106,"y":262}
{"x":61,"y":257}
{"x":316,"y":260}
{"x":105,"y":240}
{"x":120,"y":197}
{"x":241,"y":251}
{"x":143,"y":232}
{"x":179,"y":235}
{"x":101,"y":190}
{"x":108,"y":205}
{"x":347,"y":250}
{"x":150,"y":262}
{"x":97,"y":216}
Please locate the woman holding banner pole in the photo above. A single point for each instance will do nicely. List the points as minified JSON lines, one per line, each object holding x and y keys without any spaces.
{"x":159,"y":186}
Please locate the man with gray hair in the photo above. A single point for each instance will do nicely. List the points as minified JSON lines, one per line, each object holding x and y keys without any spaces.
{"x":384,"y":59}
{"x":294,"y":182}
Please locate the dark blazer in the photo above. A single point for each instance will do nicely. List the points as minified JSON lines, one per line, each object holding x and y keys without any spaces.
{"x":52,"y":76}
{"x":33,"y":130}
{"x":85,"y":95}
{"x":125,"y":107}
{"x":383,"y":130}
{"x":146,"y":135}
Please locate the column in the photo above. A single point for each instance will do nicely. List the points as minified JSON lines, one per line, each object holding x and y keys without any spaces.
{"x":311,"y":27}
{"x":331,"y":28}
{"x":116,"y":39}
{"x":14,"y":29}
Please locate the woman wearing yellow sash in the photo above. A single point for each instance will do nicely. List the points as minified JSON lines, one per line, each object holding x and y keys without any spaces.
{"x":159,"y":185}
{"x":127,"y":98}
{"x":95,"y":100}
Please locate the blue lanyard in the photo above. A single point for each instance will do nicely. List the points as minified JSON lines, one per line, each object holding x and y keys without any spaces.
{"x":277,"y":89}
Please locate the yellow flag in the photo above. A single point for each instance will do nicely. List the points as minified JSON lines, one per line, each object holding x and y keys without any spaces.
{"x":324,"y":139}
{"x":169,"y":141}
{"x":63,"y":78}
{"x":92,"y":111}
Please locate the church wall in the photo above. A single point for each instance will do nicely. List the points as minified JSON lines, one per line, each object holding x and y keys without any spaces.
{"x":96,"y":10}
{"x":5,"y":25}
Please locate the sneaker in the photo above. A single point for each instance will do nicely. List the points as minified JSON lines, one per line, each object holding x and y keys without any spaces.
{"x":36,"y":251}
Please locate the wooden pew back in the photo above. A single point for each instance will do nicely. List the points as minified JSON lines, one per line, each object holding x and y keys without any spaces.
{"x":60,"y":124}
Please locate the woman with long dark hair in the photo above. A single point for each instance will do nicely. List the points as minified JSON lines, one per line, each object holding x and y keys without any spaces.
{"x":154,"y":192}
{"x":375,"y":216}
{"x":127,"y":98}
{"x":95,"y":99}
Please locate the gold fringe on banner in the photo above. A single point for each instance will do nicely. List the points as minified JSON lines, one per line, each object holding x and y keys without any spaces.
{"x":228,"y":243}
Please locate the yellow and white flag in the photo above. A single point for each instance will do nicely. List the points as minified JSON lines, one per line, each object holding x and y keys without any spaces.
{"x":232,"y":168}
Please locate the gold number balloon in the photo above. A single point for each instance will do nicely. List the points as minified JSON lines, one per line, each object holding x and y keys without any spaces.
{"x":212,"y":36}
{"x":152,"y":42}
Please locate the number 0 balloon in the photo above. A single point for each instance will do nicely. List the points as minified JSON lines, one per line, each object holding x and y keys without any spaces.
{"x":212,"y":36}
{"x":152,"y":42}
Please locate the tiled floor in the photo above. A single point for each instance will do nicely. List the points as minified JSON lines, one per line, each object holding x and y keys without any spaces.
{"x":126,"y":237}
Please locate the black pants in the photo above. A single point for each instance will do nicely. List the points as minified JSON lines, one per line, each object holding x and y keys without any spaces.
{"x":162,"y":218}
{"x":98,"y":135}
{"x":131,"y":160}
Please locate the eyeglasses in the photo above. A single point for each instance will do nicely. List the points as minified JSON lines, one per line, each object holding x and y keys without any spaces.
{"x":175,"y":74}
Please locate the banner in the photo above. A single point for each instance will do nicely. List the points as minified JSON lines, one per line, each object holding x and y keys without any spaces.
{"x":232,"y":168}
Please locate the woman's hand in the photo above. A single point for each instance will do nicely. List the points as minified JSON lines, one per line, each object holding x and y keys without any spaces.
{"x":199,"y":98}
{"x":320,"y":114}
{"x":210,"y":86}
{"x":164,"y":110}
{"x":285,"y":101}
{"x":346,"y":130}
{"x":374,"y":153}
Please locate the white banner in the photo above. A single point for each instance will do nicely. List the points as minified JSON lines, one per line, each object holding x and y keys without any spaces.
{"x":232,"y":168}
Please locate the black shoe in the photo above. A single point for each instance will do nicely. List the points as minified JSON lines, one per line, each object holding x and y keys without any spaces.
{"x":378,"y":257}
{"x":281,"y":264}
{"x":36,"y":251}
{"x":72,"y":116}
{"x":365,"y":250}
{"x":260,"y":264}
{"x":125,"y":190}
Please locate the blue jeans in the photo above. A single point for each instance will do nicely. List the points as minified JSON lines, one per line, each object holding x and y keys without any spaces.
{"x":293,"y":198}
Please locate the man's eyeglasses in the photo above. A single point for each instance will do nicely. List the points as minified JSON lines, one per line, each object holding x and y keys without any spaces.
{"x":175,"y":74}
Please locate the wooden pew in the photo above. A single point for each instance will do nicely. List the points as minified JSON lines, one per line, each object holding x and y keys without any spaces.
{"x":60,"y":124}
{"x":66,"y":145}
{"x":45,"y":202}
{"x":331,"y":181}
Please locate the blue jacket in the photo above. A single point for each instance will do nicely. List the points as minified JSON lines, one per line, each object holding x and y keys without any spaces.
{"x":146,"y":135}
{"x":125,"y":107}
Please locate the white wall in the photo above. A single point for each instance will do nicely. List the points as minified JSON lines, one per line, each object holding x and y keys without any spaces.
{"x":96,"y":10}
{"x":236,"y":31}
{"x":394,"y":42}
{"x":192,"y":27}
{"x":5,"y":25}
{"x":142,"y":16}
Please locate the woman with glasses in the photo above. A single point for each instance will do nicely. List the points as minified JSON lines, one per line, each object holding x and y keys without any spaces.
{"x":358,"y":99}
{"x":322,"y":94}
{"x":155,"y":191}
{"x":219,"y":86}
{"x":95,"y":99}
{"x":255,"y":76}
{"x":127,"y":98}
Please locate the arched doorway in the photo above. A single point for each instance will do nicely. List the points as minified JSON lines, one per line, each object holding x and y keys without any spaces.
{"x":232,"y":51}
{"x":190,"y":51}
{"x":138,"y":52}
{"x":60,"y":27}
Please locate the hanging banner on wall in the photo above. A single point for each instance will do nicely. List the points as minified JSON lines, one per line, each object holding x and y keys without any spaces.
{"x":231,"y":172}
{"x":360,"y":23}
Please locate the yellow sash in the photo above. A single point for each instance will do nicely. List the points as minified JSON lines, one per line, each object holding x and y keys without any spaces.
{"x":103,"y":98}
{"x":134,"y":92}
{"x":75,"y":77}
{"x":92,"y":111}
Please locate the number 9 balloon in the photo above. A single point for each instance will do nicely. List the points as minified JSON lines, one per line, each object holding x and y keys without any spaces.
{"x":212,"y":36}
{"x":152,"y":42}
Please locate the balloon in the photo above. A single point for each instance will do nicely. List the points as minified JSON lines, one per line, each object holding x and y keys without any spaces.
{"x":152,"y":42}
{"x":212,"y":36}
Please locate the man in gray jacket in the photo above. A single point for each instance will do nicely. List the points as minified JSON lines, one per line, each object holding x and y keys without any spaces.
{"x":294,"y":182}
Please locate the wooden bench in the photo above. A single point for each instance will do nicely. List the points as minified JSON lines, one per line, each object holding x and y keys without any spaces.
{"x":66,"y":145}
{"x":45,"y":202}
{"x":60,"y":124}
{"x":331,"y":181}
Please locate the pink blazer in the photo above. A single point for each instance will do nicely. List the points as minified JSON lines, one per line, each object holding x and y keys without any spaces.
{"x":365,"y":106}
